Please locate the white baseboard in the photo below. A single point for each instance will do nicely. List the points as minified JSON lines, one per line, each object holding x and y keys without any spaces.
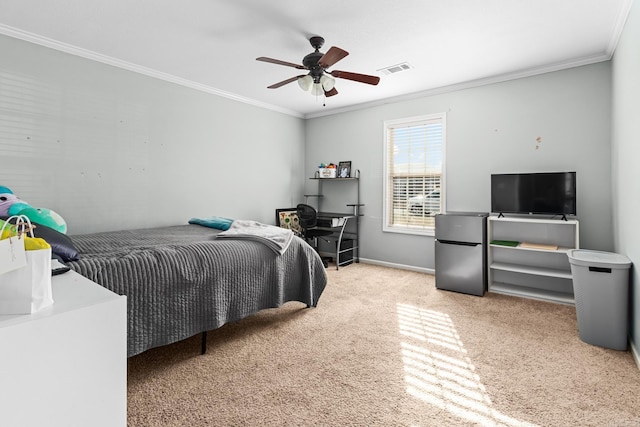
{"x":634,"y":353}
{"x":398,"y":266}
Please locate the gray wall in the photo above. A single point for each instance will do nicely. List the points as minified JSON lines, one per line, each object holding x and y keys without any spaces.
{"x":490,"y":129}
{"x":111,"y":149}
{"x":625,"y":156}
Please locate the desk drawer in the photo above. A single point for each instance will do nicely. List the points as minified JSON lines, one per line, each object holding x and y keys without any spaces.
{"x":346,"y":257}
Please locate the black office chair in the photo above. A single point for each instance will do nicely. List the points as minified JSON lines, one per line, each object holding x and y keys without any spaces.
{"x":308,"y":218}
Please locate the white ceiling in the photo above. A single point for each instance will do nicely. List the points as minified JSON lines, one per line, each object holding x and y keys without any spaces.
{"x":213,"y":44}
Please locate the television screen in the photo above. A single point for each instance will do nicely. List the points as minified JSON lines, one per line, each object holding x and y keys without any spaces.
{"x":551,"y":193}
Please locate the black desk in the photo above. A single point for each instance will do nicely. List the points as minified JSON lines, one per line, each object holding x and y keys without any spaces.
{"x":337,"y":222}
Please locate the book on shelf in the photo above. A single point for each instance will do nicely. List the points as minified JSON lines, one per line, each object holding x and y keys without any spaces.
{"x":529,"y":245}
{"x":511,"y":243}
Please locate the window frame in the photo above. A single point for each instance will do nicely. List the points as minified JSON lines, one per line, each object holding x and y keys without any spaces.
{"x":387,"y":181}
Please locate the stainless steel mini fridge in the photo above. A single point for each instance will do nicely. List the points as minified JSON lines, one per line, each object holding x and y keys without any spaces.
{"x":461,"y":252}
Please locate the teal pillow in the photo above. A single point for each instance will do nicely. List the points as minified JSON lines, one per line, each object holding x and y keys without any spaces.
{"x":213,"y":222}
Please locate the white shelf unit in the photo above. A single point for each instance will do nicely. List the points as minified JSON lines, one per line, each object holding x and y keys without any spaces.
{"x":538,"y":273}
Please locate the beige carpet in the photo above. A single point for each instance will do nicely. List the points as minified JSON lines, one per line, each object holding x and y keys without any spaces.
{"x":385,"y":348}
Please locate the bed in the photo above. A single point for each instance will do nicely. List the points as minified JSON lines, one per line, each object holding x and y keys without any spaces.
{"x":183,"y":280}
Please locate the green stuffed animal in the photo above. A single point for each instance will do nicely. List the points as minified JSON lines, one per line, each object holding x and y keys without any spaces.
{"x":11,"y":205}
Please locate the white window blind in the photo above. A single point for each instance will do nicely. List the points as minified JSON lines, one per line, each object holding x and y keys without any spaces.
{"x":414,"y":186}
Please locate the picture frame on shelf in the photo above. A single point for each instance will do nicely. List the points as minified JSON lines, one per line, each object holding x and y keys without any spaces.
{"x":344,"y":169}
{"x":288,"y":218}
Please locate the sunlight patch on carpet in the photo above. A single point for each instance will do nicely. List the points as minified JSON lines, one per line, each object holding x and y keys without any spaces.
{"x":438,"y":370}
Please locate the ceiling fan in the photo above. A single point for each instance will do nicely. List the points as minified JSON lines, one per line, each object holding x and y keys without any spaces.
{"x":318,"y":80}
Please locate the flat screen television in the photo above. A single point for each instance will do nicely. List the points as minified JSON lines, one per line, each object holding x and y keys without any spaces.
{"x":551,"y":193}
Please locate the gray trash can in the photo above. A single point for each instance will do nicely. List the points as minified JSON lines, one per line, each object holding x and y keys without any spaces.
{"x":601,"y":288}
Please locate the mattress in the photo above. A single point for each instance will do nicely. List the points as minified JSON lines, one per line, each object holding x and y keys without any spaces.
{"x":181,"y":280}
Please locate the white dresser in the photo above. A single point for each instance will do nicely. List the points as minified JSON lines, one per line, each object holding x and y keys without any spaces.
{"x":66,"y":365}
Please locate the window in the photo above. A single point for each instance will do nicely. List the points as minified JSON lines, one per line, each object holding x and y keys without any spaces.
{"x":413,"y":172}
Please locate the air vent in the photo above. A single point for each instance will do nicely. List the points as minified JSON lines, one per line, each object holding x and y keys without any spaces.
{"x":393,"y":69}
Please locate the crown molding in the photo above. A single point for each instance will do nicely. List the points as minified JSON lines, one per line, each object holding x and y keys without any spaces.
{"x":87,"y":54}
{"x":621,"y":20}
{"x":74,"y":50}
{"x":530,"y":72}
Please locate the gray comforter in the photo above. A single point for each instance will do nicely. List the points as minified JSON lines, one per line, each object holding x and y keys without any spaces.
{"x":181,"y":280}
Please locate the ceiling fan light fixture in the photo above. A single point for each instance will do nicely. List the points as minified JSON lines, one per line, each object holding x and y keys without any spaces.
{"x":317,"y":90}
{"x":327,"y":82}
{"x":305,"y":82}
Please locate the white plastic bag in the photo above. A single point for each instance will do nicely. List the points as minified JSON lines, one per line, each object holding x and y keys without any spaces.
{"x":27,"y":289}
{"x":12,"y":253}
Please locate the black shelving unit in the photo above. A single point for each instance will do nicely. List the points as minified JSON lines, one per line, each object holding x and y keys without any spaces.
{"x":347,"y":242}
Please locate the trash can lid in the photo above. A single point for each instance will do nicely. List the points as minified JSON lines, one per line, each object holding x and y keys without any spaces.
{"x":591,"y":258}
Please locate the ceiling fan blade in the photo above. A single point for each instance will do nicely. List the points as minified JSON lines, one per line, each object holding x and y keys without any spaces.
{"x":332,"y":92}
{"x":362,"y":78}
{"x":284,"y":82}
{"x":279,"y":62}
{"x":332,"y":56}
